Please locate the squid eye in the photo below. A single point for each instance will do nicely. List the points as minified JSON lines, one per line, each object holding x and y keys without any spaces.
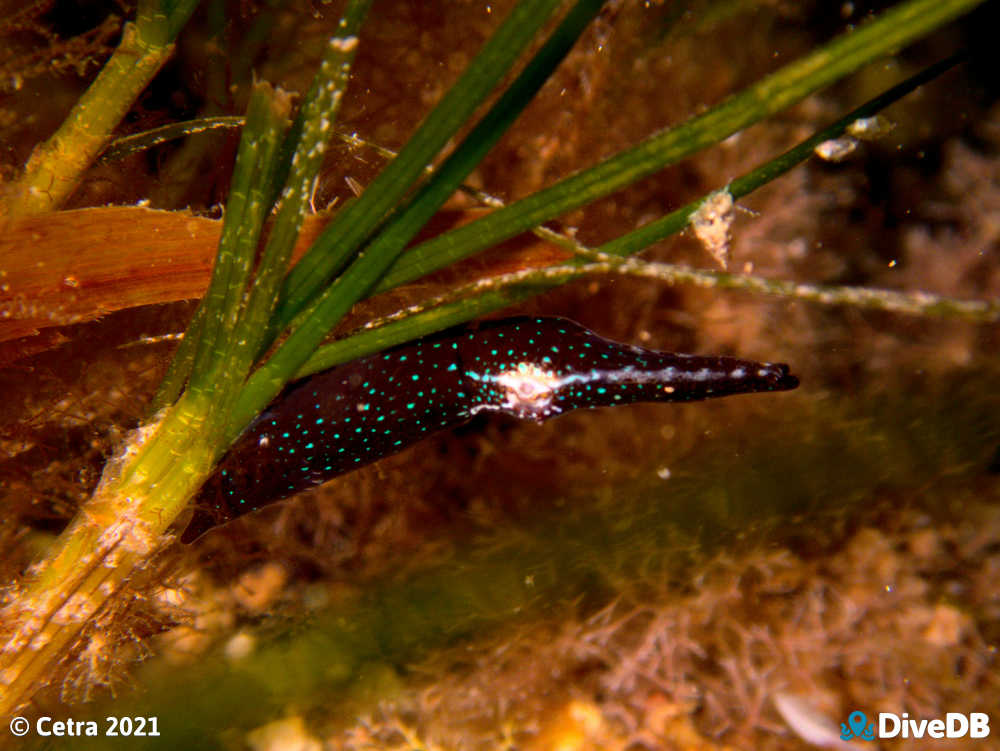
{"x":527,"y":390}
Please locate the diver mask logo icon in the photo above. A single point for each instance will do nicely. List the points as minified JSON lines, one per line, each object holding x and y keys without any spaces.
{"x":857,"y":726}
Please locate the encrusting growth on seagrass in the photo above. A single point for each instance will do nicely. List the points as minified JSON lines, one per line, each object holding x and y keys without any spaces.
{"x":531,"y":368}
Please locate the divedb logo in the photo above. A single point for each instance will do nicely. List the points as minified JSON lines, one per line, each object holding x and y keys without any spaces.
{"x":890,"y":725}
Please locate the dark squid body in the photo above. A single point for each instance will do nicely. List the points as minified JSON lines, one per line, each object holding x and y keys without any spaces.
{"x":531,"y":368}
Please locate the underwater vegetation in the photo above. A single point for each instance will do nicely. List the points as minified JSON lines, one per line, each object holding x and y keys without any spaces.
{"x":661,"y":575}
{"x":666,"y":612}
